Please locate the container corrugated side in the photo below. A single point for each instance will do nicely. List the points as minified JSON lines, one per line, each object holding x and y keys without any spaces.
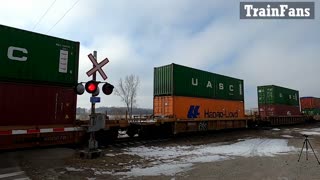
{"x":32,"y":105}
{"x":310,"y":103}
{"x":278,"y":110}
{"x":181,"y":107}
{"x":180,"y":80}
{"x":31,"y":58}
{"x":272,"y":94}
{"x":163,"y":80}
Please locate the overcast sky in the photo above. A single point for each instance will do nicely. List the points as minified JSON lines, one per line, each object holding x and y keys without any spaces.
{"x":138,"y":35}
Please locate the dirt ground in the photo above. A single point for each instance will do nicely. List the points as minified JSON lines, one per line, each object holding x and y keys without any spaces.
{"x":64,"y":163}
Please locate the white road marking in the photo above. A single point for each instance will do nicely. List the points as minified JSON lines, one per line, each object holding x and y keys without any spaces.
{"x":11,"y":174}
{"x":23,"y":179}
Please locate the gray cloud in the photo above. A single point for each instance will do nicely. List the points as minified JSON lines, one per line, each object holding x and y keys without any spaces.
{"x":138,"y":35}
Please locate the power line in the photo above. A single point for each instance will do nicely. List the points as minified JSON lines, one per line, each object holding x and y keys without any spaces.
{"x":44,"y":15}
{"x":63,"y":16}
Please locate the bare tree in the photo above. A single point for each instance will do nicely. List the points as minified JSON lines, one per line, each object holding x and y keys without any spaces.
{"x":127,"y":91}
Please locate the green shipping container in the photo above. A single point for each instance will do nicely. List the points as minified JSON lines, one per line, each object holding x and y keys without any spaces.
{"x":35,"y":58}
{"x":177,"y":80}
{"x":272,"y":94}
{"x":311,"y":112}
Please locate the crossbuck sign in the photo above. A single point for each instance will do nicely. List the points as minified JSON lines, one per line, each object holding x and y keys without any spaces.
{"x":97,"y":66}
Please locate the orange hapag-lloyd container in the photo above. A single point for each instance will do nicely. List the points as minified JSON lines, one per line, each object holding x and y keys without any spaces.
{"x":182,"y":107}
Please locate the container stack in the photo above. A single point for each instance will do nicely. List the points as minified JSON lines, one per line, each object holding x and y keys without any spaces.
{"x":37,"y":76}
{"x":310,"y":106}
{"x":186,"y":93}
{"x":277,"y":101}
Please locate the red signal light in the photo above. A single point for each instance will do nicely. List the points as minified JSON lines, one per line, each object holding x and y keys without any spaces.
{"x":91,"y":86}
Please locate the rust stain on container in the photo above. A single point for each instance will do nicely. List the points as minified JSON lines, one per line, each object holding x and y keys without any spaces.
{"x":29,"y":104}
{"x":182,"y":107}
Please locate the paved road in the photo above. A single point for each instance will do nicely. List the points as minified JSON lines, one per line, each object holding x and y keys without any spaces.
{"x":13,"y":173}
{"x":38,"y":163}
{"x":10,"y":169}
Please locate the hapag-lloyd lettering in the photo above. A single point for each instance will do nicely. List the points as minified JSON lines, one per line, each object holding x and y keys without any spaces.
{"x":276,"y":10}
{"x":217,"y":114}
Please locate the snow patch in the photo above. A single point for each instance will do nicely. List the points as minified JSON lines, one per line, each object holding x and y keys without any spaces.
{"x":122,"y":134}
{"x":204,"y":159}
{"x":110,"y":155}
{"x":297,"y":129}
{"x":286,"y":136}
{"x":275,"y":129}
{"x":315,"y":129}
{"x":74,"y":169}
{"x":173,"y":160}
{"x":161,"y":169}
{"x":91,"y":178}
{"x":102,"y":173}
{"x":310,"y":133}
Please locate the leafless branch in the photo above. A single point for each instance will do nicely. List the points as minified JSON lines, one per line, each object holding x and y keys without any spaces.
{"x":127,"y":91}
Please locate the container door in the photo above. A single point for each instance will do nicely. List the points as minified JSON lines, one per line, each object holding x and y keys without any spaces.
{"x":163,"y":106}
{"x":66,"y":107}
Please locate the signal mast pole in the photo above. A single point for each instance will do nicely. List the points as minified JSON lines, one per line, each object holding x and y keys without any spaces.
{"x":93,"y":144}
{"x":94,"y":78}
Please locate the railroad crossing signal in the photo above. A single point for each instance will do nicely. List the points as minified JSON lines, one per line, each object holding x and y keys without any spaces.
{"x":92,"y":86}
{"x":97,"y":66}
